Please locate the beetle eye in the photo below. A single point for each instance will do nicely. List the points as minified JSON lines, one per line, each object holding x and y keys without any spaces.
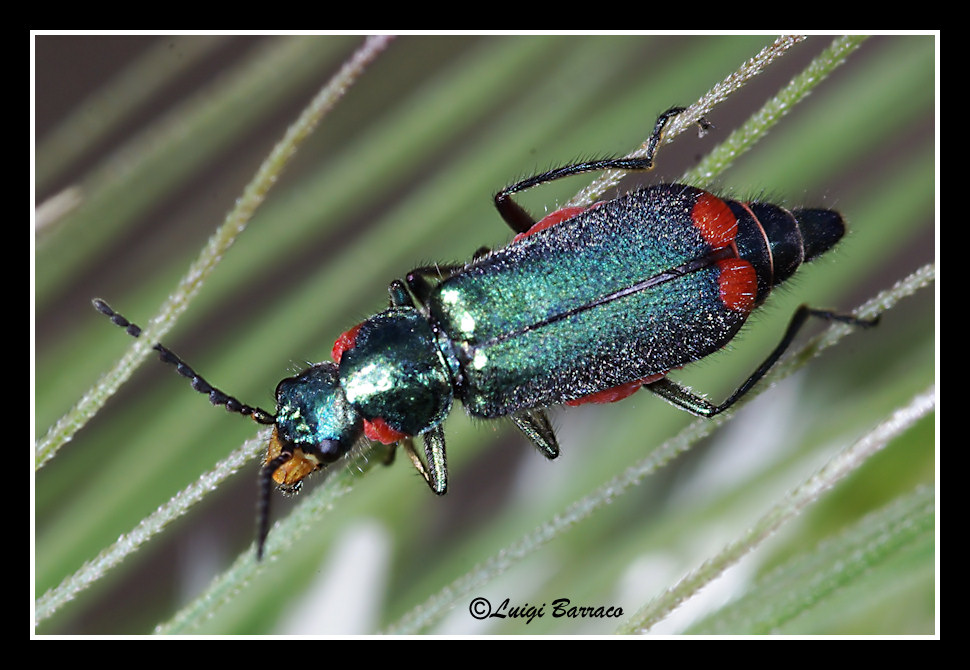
{"x":330,"y":450}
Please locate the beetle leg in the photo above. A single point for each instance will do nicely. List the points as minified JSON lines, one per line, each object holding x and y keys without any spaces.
{"x":436,"y":474}
{"x":399,"y":294}
{"x":521,"y":221}
{"x":420,"y":282}
{"x":535,"y":425}
{"x":680,"y":397}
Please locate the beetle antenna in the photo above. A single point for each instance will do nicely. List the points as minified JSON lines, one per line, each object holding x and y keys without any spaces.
{"x":262,"y":509}
{"x":216,"y":397}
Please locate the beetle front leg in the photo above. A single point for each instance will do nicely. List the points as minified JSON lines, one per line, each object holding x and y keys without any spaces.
{"x":436,"y":474}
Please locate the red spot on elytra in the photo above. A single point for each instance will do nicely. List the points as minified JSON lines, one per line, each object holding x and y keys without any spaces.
{"x":738,"y":284}
{"x":715,"y":221}
{"x":616,"y":393}
{"x":552,"y":219}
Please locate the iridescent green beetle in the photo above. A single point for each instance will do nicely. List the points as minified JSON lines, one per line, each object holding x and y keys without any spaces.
{"x":587,"y":305}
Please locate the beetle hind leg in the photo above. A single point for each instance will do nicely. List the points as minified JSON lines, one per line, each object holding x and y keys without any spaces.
{"x":680,"y":397}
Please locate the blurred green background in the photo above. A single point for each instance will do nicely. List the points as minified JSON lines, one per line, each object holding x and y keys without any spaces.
{"x":401,"y":174}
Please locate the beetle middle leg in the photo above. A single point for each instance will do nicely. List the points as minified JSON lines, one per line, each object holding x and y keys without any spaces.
{"x":535,"y":425}
{"x":420,"y":281}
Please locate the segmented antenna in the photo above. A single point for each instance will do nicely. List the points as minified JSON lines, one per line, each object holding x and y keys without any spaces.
{"x":216,"y":397}
{"x":262,"y":506}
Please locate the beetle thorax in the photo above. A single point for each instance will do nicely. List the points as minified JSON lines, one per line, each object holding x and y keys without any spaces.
{"x":395,"y":372}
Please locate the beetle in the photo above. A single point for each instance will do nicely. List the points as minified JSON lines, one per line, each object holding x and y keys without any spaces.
{"x":587,"y":305}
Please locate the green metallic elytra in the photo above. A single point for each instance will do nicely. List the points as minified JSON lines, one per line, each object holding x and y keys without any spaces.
{"x":583,"y":306}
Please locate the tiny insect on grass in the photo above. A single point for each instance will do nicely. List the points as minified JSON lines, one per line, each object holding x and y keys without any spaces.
{"x":587,"y":305}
